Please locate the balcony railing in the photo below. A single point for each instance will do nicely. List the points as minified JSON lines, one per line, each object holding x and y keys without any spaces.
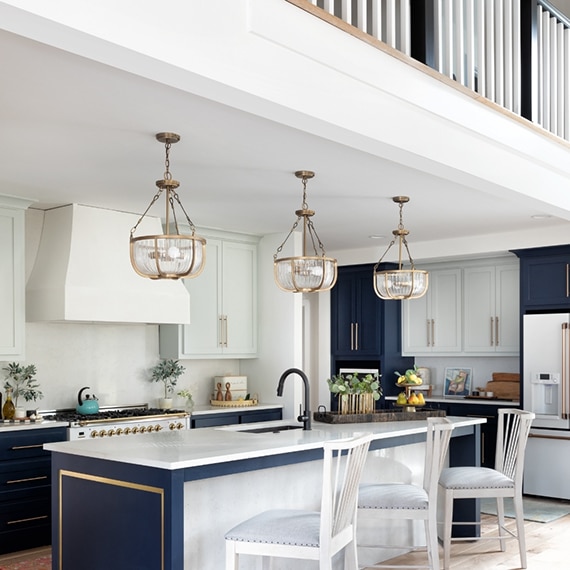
{"x":515,"y":53}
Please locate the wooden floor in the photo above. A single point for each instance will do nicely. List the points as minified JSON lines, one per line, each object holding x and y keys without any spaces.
{"x":548,"y":548}
{"x":547,"y":545}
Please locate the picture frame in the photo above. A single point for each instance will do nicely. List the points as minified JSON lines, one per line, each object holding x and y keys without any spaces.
{"x":457,"y":382}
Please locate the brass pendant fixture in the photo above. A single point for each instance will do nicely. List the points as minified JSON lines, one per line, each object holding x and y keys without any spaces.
{"x":306,"y":273}
{"x":399,"y":284}
{"x":168,"y":256}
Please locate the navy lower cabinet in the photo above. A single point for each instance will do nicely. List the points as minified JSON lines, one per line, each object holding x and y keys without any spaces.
{"x":236,"y":416}
{"x":488,"y":435}
{"x":25,"y":487}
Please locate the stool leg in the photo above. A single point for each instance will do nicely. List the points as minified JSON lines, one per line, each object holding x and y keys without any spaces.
{"x":447,"y":520}
{"x":232,"y":557}
{"x":350,"y":556}
{"x":501,"y":521}
{"x":431,"y":541}
{"x":520,"y":529}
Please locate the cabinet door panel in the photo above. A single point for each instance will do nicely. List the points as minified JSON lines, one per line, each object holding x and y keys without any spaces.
{"x":446,"y":310}
{"x":508,"y":309}
{"x":479,"y":309}
{"x":202,"y":334}
{"x":342,"y":315}
{"x":239,"y":294}
{"x":416,"y":328}
{"x":368,"y":311}
{"x":547,"y":281}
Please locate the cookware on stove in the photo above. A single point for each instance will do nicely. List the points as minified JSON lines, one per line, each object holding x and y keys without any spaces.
{"x":89,"y":405}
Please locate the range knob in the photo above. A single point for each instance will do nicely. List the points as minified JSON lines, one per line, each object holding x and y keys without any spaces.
{"x":119,"y":431}
{"x":102,"y":433}
{"x":148,"y":429}
{"x":111,"y":433}
{"x":94,"y":433}
{"x":157,"y":427}
{"x":135,"y":429}
{"x":128,"y":430}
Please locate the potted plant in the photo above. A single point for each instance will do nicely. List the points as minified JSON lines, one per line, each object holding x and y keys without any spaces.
{"x":167,"y":371}
{"x":20,"y":379}
{"x":357,"y":394}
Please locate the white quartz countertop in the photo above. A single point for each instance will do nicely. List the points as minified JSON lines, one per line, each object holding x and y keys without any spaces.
{"x":208,"y":446}
{"x":7,"y":425}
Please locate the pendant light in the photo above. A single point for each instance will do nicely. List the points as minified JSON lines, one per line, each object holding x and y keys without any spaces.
{"x":398,"y":284}
{"x":307,"y":273}
{"x":168,"y":256}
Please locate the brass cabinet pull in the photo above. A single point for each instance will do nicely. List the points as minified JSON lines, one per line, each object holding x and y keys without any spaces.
{"x":433,"y":332}
{"x":428,"y":332}
{"x":567,"y":281}
{"x":496,"y":331}
{"x":14,"y":481}
{"x":225,"y":321}
{"x":220,"y":331}
{"x":351,"y":336}
{"x":356,"y":336}
{"x":492,"y":329}
{"x":19,"y":521}
{"x":35,"y":446}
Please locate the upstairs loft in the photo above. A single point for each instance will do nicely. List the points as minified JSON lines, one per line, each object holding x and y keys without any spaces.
{"x":515,"y":53}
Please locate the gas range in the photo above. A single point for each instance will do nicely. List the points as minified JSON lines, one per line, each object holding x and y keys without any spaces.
{"x":119,"y":421}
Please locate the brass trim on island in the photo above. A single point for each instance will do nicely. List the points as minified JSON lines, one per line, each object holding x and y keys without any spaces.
{"x":107,"y":481}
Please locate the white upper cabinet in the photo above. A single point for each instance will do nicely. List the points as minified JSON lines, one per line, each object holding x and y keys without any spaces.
{"x":223,"y":304}
{"x":432,"y":323}
{"x":471,"y":307}
{"x":12,"y":278}
{"x":491,"y":309}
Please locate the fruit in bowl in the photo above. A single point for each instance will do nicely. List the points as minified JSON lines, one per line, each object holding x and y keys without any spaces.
{"x":410,"y":377}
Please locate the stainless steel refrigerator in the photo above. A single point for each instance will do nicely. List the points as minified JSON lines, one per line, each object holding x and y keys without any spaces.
{"x":546,"y":392}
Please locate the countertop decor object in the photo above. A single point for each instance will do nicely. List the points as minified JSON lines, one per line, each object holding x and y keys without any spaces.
{"x":168,"y":256}
{"x":167,"y":371}
{"x":356,"y":394}
{"x":21,"y":380}
{"x":399,"y":284}
{"x":239,"y":403}
{"x":305,"y":273}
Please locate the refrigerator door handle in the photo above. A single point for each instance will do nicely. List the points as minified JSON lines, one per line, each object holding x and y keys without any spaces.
{"x":565,"y":378}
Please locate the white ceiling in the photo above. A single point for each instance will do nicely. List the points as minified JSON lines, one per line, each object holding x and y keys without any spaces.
{"x":74,"y":130}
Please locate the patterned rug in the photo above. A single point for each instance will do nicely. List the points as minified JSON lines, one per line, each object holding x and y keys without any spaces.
{"x":535,"y":509}
{"x":40,"y":563}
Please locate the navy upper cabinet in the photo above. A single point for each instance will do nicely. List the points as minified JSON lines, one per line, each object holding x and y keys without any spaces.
{"x":356,"y":313}
{"x":545,"y":277}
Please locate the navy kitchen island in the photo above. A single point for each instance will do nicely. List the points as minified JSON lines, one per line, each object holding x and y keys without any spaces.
{"x":164,"y":502}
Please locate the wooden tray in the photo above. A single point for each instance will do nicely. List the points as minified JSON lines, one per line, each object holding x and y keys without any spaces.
{"x":233,"y":403}
{"x":377,"y":416}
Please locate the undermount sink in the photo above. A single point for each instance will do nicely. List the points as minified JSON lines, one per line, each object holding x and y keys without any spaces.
{"x":271,"y":429}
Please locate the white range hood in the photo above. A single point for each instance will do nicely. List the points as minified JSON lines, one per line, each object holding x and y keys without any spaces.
{"x":83,"y":272}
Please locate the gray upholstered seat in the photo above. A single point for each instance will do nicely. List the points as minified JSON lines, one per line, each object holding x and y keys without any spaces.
{"x":474,"y":478}
{"x":292,"y":527}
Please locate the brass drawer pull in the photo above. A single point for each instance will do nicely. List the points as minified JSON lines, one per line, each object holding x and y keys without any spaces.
{"x":28,"y":520}
{"x":14,"y":481}
{"x":35,"y":446}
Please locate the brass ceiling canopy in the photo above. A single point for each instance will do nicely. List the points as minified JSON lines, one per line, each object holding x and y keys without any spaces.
{"x":400,"y":284}
{"x":306,"y":273}
{"x":168,"y":256}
